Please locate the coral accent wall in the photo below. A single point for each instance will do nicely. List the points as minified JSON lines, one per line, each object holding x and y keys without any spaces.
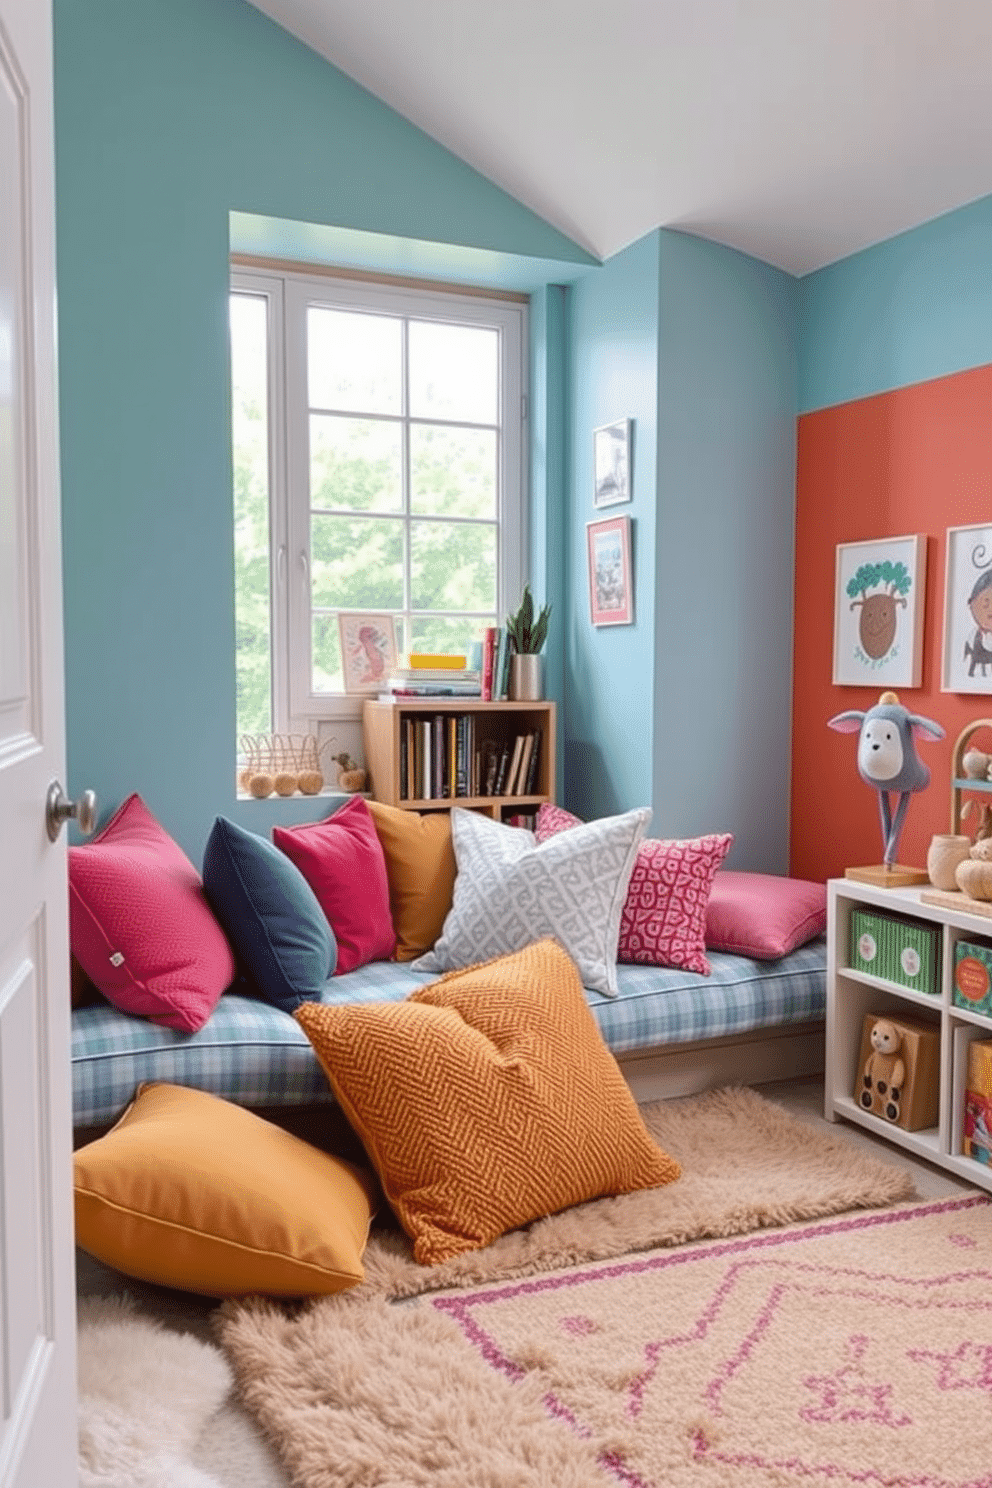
{"x":918,"y":459}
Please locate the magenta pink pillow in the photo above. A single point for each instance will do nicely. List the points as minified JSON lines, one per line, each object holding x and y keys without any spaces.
{"x":140,"y":925}
{"x":342,"y":860}
{"x":763,"y":915}
{"x":664,"y":915}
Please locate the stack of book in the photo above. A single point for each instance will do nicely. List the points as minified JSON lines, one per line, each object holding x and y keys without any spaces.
{"x":429,"y":675}
{"x":497,"y":648}
{"x":437,"y":755}
{"x":509,"y":766}
{"x":441,"y":759}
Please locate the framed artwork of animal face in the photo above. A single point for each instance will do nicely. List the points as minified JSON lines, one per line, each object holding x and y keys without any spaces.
{"x":967,"y":649}
{"x":368,"y":651}
{"x":878,"y":612}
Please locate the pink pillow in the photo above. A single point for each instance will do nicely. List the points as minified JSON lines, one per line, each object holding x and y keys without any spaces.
{"x":664,"y":915}
{"x":764,"y":915}
{"x":140,"y":925}
{"x":342,"y":860}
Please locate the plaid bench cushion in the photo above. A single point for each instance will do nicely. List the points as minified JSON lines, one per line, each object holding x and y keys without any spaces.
{"x":254,"y":1054}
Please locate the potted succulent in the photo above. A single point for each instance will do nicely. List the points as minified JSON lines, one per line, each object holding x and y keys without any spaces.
{"x":527,"y":635}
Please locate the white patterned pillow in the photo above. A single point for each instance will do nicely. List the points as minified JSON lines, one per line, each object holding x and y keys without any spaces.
{"x":512,"y":890}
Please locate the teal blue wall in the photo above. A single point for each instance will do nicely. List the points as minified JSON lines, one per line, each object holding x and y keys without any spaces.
{"x":171,"y":114}
{"x":724,"y":541}
{"x":688,"y":709}
{"x":912,"y":308}
{"x":609,"y":719}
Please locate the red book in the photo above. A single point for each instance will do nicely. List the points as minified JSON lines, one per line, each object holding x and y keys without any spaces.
{"x":488,"y":655}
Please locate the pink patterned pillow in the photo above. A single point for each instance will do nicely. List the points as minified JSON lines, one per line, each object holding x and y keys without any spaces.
{"x":763,"y":914}
{"x":140,"y":925}
{"x":664,"y":916}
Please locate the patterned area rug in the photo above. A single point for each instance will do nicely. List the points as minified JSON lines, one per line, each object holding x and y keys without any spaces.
{"x":579,"y":1333}
{"x":856,"y":1351}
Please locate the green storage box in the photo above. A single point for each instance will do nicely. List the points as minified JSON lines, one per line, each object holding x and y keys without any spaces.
{"x":896,"y":948}
{"x":973,"y":976}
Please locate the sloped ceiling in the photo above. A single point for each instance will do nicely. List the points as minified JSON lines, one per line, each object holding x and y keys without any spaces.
{"x":795,"y":130}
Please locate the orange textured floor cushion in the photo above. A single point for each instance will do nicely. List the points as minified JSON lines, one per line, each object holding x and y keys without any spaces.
{"x":486,"y":1100}
{"x":190,"y":1191}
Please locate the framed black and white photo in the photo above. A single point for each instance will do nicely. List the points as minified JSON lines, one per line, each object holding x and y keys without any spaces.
{"x":611,"y":463}
{"x":967,"y":647}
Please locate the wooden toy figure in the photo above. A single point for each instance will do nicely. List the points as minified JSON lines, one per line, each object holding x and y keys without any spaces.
{"x":884,"y":1073}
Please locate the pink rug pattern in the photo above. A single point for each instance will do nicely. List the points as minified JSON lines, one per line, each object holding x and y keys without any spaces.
{"x":854,"y":1351}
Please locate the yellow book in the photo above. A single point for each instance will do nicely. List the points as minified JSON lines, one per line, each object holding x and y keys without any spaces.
{"x":423,"y":659}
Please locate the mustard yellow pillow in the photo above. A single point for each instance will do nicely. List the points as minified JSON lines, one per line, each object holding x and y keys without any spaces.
{"x":486,"y":1099}
{"x":190,"y":1191}
{"x":420,"y":867}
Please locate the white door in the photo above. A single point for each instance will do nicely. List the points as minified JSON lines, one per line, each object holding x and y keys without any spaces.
{"x":37,"y":1277}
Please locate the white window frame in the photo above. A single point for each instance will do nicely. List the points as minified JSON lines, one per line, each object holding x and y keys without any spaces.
{"x":288,"y":295}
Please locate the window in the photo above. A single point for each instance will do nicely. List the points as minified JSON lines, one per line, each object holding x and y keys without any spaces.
{"x":378,"y":440}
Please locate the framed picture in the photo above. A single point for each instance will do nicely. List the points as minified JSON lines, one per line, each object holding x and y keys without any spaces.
{"x":611,"y":463}
{"x":967,"y":648}
{"x":368,"y":651}
{"x":611,"y":590}
{"x":878,"y":612}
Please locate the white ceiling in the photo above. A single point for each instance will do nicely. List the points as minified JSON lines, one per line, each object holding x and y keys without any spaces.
{"x":796,"y":130}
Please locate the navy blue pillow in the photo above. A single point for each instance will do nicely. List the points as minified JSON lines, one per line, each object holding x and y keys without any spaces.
{"x":270,"y":914}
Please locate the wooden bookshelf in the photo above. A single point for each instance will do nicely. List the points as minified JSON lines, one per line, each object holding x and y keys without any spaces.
{"x":388,"y":727}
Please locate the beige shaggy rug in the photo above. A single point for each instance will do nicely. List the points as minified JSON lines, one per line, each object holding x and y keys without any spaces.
{"x":356,"y":1389}
{"x":746,"y":1164}
{"x":851,"y":1351}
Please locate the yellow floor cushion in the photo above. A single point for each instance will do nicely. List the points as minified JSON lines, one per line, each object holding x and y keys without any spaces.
{"x":190,"y":1191}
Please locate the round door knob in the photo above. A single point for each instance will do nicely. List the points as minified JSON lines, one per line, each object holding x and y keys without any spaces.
{"x":59,"y":809}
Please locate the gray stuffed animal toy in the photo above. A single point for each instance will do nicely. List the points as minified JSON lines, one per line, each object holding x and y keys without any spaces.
{"x":887,"y":758}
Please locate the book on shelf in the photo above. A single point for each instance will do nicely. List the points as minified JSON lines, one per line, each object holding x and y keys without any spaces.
{"x":530,"y":782}
{"x":502,"y":765}
{"x":488,"y":659}
{"x":501,"y":666}
{"x":509,"y":785}
{"x":426,"y":685}
{"x":488,"y":767}
{"x":523,"y":774}
{"x":425,"y":759}
{"x":504,"y":671}
{"x":435,"y":661}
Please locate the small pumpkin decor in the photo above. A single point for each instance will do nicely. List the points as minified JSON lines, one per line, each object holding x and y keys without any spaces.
{"x":974,"y":874}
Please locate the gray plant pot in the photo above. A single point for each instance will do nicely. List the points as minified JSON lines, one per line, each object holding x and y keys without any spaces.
{"x":526,"y":677}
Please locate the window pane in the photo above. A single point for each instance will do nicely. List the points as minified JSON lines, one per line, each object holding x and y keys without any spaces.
{"x":354,"y":361}
{"x":327,"y":673}
{"x":452,"y":471}
{"x":355,"y":463}
{"x":250,"y":450}
{"x":454,"y":372}
{"x":452,"y":566}
{"x":437,"y":633}
{"x":356,"y":563}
